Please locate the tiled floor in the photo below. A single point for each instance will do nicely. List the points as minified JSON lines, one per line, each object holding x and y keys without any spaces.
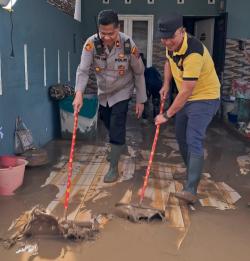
{"x":220,"y":206}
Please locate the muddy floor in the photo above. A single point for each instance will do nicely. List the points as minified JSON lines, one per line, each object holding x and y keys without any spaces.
{"x":215,"y":228}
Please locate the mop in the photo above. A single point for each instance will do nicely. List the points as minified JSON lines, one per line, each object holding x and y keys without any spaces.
{"x":137,"y":212}
{"x":38,"y":221}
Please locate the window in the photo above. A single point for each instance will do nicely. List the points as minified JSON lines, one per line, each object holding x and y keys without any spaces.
{"x":151,"y":2}
{"x":180,"y":2}
{"x":67,"y":6}
{"x":211,"y":2}
{"x":106,"y":2}
{"x":128,"y":2}
{"x":141,"y":28}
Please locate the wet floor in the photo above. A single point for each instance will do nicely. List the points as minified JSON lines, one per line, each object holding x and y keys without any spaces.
{"x":216,"y":228}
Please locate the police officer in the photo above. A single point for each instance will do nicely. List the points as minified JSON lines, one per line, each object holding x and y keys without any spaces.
{"x":191,"y":66}
{"x":118,"y":69}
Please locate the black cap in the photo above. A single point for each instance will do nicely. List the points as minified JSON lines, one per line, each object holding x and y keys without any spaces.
{"x":168,"y":24}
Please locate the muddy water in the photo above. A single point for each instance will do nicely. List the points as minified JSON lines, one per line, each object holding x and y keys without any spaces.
{"x":212,"y":234}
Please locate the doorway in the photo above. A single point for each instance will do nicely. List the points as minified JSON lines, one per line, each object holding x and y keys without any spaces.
{"x":211,"y":31}
{"x":140,"y":28}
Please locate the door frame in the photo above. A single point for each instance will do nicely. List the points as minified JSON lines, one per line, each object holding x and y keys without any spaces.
{"x":128,"y":22}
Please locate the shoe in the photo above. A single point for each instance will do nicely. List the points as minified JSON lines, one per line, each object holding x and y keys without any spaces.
{"x":186,"y":196}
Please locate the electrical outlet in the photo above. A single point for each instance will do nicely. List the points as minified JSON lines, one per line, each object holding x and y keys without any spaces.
{"x":211,"y":2}
{"x":180,"y":2}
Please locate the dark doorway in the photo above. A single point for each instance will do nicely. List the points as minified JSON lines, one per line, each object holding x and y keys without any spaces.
{"x":217,"y":31}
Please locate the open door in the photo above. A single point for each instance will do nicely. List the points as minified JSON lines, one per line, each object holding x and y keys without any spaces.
{"x":204,"y":31}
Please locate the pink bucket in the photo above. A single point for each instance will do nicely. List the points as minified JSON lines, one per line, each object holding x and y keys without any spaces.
{"x":8,"y":161}
{"x":11,"y":178}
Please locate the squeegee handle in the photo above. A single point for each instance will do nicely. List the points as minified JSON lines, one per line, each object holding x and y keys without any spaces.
{"x":70,"y":165}
{"x":151,"y":157}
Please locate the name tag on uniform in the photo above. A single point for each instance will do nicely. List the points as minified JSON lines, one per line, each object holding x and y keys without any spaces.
{"x":121,"y":60}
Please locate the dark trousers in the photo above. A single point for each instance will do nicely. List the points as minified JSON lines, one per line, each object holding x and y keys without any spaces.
{"x":191,"y":123}
{"x":153,"y":91}
{"x":114,"y":119}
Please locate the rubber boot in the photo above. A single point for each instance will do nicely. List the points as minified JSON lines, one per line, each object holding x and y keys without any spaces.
{"x":124,"y":151}
{"x":115,"y":154}
{"x":194,"y":171}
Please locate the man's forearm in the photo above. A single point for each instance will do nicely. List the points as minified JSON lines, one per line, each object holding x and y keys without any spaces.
{"x":178,"y":103}
{"x":140,"y":86}
{"x":82,"y":77}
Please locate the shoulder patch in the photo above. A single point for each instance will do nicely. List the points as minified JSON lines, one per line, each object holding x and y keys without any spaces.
{"x":89,"y":46}
{"x":194,"y":46}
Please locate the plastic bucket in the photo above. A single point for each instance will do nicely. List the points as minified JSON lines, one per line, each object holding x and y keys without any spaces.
{"x":11,"y":178}
{"x":7,"y":161}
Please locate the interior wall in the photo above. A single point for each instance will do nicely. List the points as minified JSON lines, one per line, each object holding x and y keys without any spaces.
{"x":238,"y":19}
{"x":39,"y":25}
{"x":237,"y":65}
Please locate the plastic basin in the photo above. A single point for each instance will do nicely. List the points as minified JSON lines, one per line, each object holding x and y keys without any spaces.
{"x":11,"y":178}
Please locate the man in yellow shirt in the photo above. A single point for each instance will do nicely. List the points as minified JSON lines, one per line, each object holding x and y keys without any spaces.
{"x":191,"y":66}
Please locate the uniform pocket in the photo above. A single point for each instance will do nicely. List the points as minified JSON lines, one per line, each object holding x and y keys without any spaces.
{"x":100,"y":64}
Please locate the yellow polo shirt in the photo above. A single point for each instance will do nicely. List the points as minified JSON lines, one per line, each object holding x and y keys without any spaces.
{"x":193,"y":62}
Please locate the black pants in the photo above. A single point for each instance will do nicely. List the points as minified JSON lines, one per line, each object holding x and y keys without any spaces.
{"x":114,"y":119}
{"x":153,"y":91}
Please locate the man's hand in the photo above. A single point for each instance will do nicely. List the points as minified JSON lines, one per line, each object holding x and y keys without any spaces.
{"x":139,"y":109}
{"x":164,"y":92}
{"x":78,"y":102}
{"x":159,"y":119}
